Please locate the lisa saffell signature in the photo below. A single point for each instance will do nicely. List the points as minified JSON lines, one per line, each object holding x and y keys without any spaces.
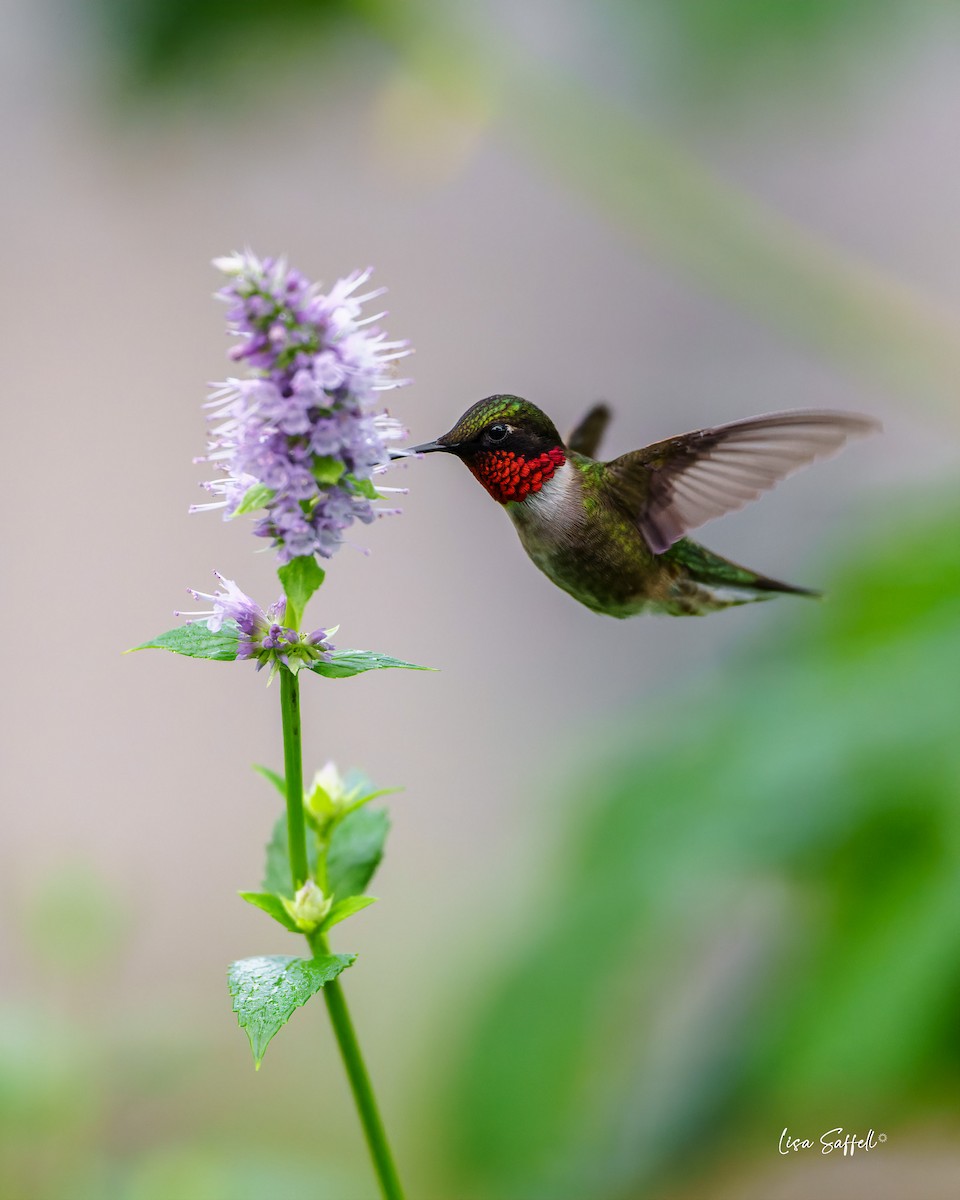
{"x":833,"y":1141}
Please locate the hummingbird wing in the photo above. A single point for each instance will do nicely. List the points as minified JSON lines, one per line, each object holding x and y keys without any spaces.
{"x":585,"y":439}
{"x":676,"y":485}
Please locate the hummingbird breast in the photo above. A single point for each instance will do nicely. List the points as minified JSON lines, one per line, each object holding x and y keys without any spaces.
{"x":584,"y":545}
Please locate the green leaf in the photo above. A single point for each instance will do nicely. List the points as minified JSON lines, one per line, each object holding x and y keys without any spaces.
{"x":197,"y":641}
{"x":300,"y":579}
{"x":276,"y":873}
{"x":359,"y":789}
{"x":327,"y":470}
{"x":268,"y":990}
{"x":258,"y":495}
{"x":273,"y":906}
{"x":341,"y":664}
{"x":278,"y":781}
{"x":356,"y":848}
{"x":346,"y":908}
{"x":360,"y":800}
{"x":364,"y":487}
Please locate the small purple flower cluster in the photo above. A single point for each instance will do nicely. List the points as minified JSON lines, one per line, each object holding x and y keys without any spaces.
{"x":298,"y":438}
{"x":262,"y":635}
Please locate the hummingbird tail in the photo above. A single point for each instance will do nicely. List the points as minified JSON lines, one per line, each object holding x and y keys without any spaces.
{"x":762,"y":584}
{"x":728,"y":582}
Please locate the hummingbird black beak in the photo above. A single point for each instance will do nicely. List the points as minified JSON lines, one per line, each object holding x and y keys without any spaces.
{"x":425,"y":448}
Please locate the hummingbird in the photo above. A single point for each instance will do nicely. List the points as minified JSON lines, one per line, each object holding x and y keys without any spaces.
{"x":613,"y":534}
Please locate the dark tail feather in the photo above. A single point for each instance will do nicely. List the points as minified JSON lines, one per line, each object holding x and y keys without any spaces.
{"x":585,"y":439}
{"x":762,"y":584}
{"x":712,"y":571}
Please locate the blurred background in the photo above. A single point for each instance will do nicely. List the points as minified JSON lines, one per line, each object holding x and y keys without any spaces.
{"x":656,"y":890}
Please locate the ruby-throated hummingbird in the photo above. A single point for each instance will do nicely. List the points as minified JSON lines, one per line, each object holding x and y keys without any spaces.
{"x":612,"y":533}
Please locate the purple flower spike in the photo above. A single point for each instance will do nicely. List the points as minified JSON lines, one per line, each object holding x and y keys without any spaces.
{"x":262,"y":636}
{"x":299,"y":438}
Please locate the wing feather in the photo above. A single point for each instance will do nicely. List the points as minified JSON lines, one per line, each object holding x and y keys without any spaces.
{"x":679,"y":484}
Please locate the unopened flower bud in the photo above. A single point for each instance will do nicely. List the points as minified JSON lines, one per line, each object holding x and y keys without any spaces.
{"x":308,"y":907}
{"x":327,"y":794}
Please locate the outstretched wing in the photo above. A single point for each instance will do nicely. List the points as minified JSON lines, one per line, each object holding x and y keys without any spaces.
{"x":585,"y":439}
{"x":677,"y":485}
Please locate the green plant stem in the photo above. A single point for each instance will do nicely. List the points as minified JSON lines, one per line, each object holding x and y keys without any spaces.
{"x":332,"y":992}
{"x":293,"y":773}
{"x":363,"y":1096}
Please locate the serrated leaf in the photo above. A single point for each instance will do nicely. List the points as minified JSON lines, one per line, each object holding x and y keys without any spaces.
{"x":356,"y":848}
{"x":268,"y":990}
{"x":258,"y":495}
{"x":197,"y":641}
{"x":276,"y":872}
{"x":346,"y":908}
{"x":300,"y":578}
{"x":341,"y":664}
{"x":273,"y":906}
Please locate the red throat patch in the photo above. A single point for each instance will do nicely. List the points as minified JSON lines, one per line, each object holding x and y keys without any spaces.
{"x":508,"y":476}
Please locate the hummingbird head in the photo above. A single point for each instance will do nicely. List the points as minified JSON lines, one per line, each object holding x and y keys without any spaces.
{"x":511,"y":447}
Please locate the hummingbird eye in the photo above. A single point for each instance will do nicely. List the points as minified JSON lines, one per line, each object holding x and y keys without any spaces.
{"x":496,"y":433}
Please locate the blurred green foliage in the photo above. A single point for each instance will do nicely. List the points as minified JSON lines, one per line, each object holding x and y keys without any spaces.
{"x":206,"y":1173}
{"x":645,"y":183}
{"x":723,"y":48}
{"x":712,"y":46}
{"x":758,"y":920}
{"x":93,"y":1109}
{"x":75,"y":921}
{"x":163,"y":43}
